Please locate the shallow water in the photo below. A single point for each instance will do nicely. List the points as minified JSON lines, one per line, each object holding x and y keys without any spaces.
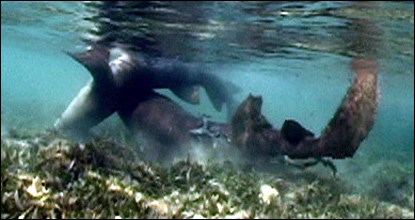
{"x":295,"y":55}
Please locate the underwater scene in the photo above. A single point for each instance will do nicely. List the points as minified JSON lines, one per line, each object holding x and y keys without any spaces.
{"x":207,"y":109}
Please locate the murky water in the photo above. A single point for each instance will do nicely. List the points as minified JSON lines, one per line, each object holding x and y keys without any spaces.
{"x":295,"y":55}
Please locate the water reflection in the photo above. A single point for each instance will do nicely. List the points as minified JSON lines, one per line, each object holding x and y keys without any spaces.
{"x":260,"y":29}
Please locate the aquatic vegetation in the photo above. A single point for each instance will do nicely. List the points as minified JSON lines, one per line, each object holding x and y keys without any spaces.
{"x":48,"y":176}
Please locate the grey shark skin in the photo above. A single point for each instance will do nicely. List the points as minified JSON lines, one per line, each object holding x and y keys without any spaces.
{"x":120,"y":77}
{"x":95,"y":101}
{"x":135,"y":73}
{"x":91,"y":106}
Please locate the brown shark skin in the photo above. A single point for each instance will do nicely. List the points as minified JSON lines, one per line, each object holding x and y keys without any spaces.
{"x":169,"y":125}
{"x":355,"y":117}
{"x":164,"y":124}
{"x":342,"y":137}
{"x":251,"y":132}
{"x":159,"y":117}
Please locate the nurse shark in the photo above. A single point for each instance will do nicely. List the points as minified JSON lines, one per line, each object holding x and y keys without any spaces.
{"x":120,"y":76}
{"x":248,"y":131}
{"x":125,"y":85}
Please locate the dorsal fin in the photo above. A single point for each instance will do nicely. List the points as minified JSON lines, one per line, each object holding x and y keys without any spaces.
{"x":96,"y":61}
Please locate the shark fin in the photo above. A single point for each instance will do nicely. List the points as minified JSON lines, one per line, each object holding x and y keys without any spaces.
{"x":190,"y":94}
{"x":294,"y":133}
{"x":96,"y":61}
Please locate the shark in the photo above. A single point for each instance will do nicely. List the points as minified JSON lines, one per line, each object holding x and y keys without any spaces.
{"x":120,"y":76}
{"x":249,"y":131}
{"x":126,"y":86}
{"x":167,"y":127}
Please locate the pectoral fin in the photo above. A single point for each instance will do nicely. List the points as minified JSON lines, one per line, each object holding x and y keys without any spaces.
{"x":190,"y":94}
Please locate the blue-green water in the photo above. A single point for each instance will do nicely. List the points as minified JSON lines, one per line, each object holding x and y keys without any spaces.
{"x":295,"y":55}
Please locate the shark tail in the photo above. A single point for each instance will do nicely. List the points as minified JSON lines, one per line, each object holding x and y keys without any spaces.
{"x":355,"y":117}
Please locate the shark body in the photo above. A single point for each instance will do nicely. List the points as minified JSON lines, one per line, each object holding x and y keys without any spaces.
{"x":121,"y":77}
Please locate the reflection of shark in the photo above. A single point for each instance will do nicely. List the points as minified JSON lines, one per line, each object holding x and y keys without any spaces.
{"x":120,"y":76}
